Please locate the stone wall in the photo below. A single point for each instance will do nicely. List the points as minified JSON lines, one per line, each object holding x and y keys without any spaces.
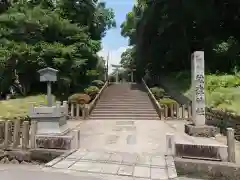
{"x":223,"y":119}
{"x":202,"y":169}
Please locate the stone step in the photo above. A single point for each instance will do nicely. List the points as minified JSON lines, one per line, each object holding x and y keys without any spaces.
{"x":124,"y":96}
{"x":138,"y":111}
{"x":122,"y":118}
{"x":134,"y":101}
{"x":127,"y":98}
{"x":117,"y":106}
{"x":120,"y":102}
{"x":99,"y":108}
{"x":119,"y":95}
{"x":124,"y":115}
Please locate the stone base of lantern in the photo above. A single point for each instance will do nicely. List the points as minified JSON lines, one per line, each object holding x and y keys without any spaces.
{"x":201,"y":131}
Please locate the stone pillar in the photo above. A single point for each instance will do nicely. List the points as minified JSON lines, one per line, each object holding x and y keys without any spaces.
{"x":49,"y":94}
{"x":117,"y":75}
{"x":170,"y":144}
{"x":199,"y":127}
{"x":231,"y":145}
{"x":132,"y":76}
{"x":105,"y":77}
{"x":198,"y":101}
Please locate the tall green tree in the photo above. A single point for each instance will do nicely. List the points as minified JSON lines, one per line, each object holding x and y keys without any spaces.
{"x":165,"y":33}
{"x":36,"y":34}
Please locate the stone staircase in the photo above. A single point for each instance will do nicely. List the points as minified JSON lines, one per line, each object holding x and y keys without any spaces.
{"x":124,"y":102}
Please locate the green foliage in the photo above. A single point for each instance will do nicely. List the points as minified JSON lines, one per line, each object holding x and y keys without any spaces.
{"x":98,"y":83}
{"x":223,"y":96}
{"x":157,"y":92}
{"x":166,"y":33}
{"x":37,"y":34}
{"x":215,"y":81}
{"x":79,"y":98}
{"x":92,"y":91}
{"x":167,"y":101}
{"x":127,"y":58}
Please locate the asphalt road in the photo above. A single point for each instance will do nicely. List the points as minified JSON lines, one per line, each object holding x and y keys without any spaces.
{"x":29,"y":172}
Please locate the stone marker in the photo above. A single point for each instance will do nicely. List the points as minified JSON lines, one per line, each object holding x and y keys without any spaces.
{"x":199,"y":128}
{"x":198,"y":101}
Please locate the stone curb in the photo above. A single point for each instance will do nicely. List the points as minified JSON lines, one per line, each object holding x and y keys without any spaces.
{"x":207,"y":169}
{"x":59,"y":158}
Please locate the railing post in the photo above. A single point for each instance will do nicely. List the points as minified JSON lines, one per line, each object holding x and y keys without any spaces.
{"x":33,"y":134}
{"x":7,"y":134}
{"x":189,"y":110}
{"x":177,"y":110}
{"x":25,"y":135}
{"x":2,"y":127}
{"x":84,"y":111}
{"x":65,"y":105}
{"x":87,"y":110}
{"x":231,"y":145}
{"x":166,"y":111}
{"x":77,"y":110}
{"x":16,"y":134}
{"x":72,"y":109}
{"x":171,"y":110}
{"x":183,"y":111}
{"x":162,"y":113}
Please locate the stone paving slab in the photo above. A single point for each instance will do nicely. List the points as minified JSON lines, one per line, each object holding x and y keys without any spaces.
{"x":147,"y":166}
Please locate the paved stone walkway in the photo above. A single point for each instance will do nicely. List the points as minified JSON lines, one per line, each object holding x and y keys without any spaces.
{"x":126,"y":148}
{"x":133,"y":136}
{"x":132,"y":148}
{"x":122,"y":164}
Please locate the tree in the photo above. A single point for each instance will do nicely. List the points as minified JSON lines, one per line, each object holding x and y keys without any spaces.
{"x":36,"y":34}
{"x":165,"y":33}
{"x":127,"y":58}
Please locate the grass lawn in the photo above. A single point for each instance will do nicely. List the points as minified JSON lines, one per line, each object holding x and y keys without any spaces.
{"x":221,"y":91}
{"x":13,"y":108}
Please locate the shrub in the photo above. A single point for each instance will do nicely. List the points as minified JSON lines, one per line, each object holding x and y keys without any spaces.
{"x":214,"y":81}
{"x":157,"y":92}
{"x":91,"y":91}
{"x":79,"y":98}
{"x":167,"y":101}
{"x":98,"y":83}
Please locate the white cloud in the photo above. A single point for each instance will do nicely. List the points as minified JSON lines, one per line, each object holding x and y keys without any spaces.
{"x":114,"y":55}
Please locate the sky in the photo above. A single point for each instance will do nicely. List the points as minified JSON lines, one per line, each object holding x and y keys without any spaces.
{"x":113,"y":42}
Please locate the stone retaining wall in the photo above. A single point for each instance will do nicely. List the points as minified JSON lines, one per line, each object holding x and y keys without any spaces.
{"x":213,"y":170}
{"x":223,"y":119}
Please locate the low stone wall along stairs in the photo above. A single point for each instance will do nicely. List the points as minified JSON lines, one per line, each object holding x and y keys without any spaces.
{"x":124,"y":101}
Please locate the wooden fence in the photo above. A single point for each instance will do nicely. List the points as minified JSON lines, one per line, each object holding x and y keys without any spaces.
{"x":84,"y":110}
{"x":176,"y":111}
{"x":170,"y":111}
{"x":15,"y":135}
{"x":76,"y":111}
